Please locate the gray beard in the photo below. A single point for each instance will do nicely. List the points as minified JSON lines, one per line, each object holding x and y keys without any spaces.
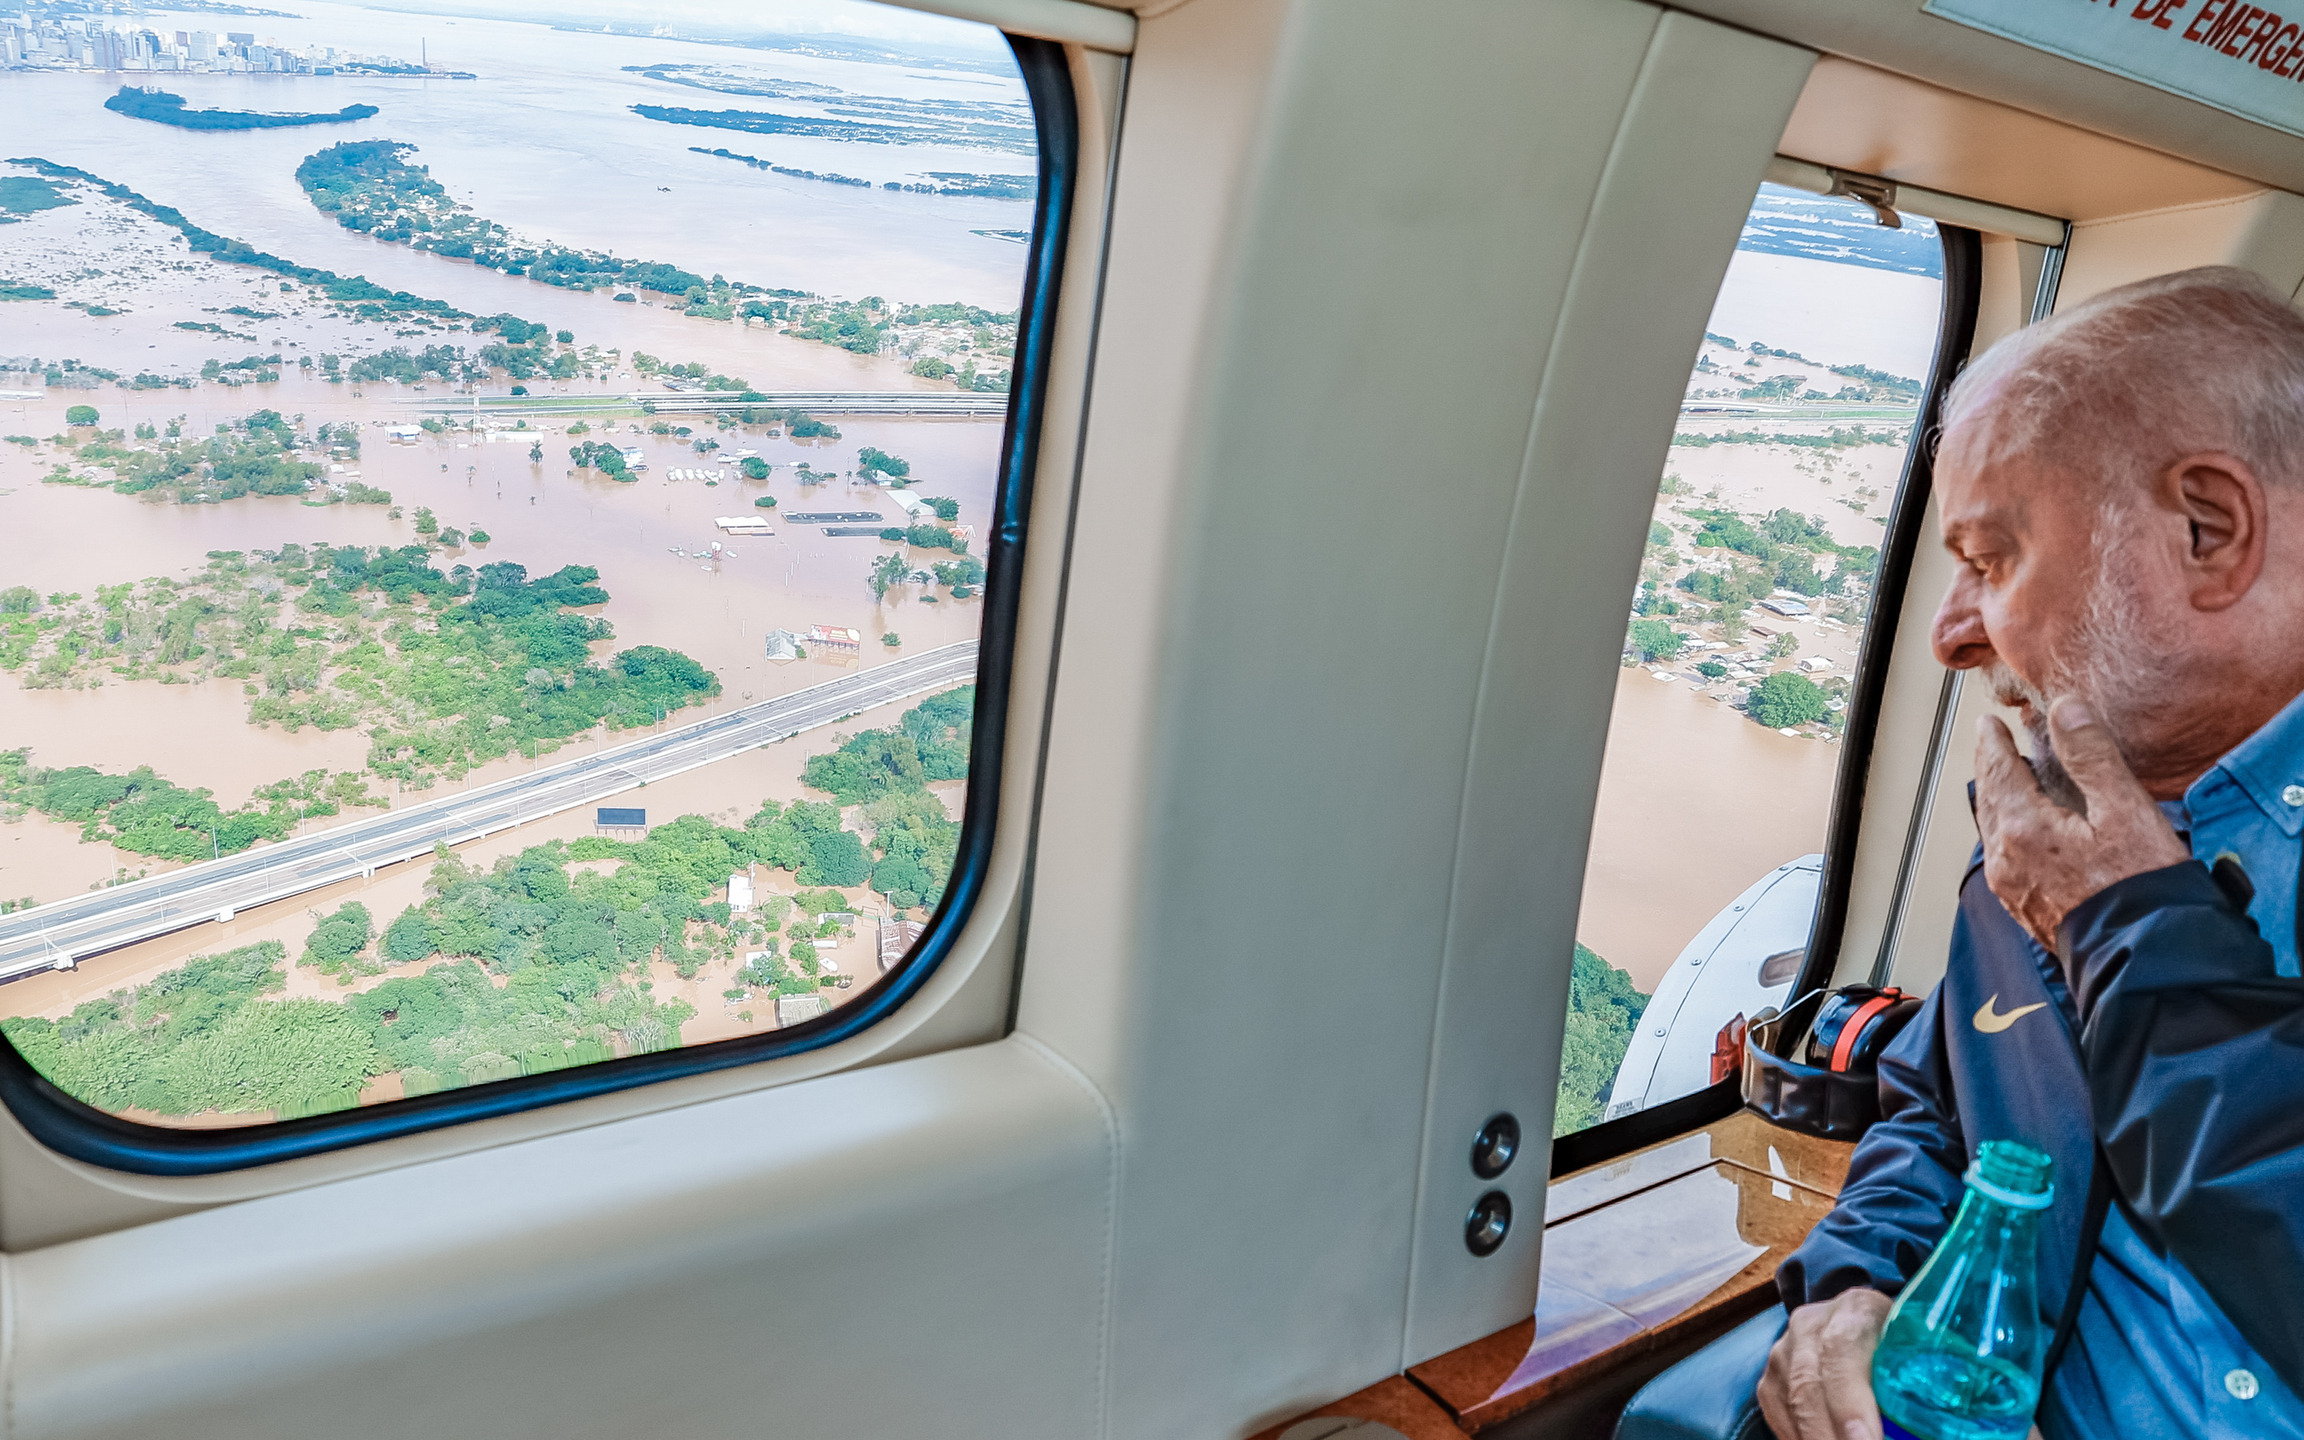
{"x":2108,"y":663}
{"x":2012,"y":690}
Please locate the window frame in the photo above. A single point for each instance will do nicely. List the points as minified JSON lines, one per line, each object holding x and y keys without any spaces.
{"x":83,"y":1132}
{"x":1955,"y":336}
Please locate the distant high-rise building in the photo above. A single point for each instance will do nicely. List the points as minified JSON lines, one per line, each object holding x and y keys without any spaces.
{"x":203,"y":45}
{"x":241,"y":37}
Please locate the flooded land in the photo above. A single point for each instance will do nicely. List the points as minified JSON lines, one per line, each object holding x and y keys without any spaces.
{"x":394,"y":402}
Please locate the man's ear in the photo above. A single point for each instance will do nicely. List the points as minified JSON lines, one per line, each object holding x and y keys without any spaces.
{"x":2223,"y":502}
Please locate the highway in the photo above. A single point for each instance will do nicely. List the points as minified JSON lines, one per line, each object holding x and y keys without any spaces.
{"x":56,"y":935}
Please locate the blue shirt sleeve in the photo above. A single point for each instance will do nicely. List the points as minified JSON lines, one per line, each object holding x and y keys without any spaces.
{"x":1903,"y":1180}
{"x":2193,"y":1045}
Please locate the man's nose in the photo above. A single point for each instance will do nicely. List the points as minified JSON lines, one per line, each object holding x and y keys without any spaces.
{"x":1958,"y":632}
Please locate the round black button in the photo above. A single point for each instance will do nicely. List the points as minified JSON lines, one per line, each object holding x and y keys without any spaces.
{"x":1488,"y":1224}
{"x":1496,"y":1146}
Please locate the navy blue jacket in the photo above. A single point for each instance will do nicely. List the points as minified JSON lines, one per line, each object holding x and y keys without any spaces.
{"x":2182,"y":1053}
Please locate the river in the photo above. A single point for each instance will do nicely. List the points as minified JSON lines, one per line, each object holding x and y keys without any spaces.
{"x":545,"y":141}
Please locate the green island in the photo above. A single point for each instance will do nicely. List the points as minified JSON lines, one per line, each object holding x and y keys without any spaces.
{"x":259,"y":455}
{"x":22,"y":195}
{"x":537,"y":962}
{"x":940,"y":182}
{"x":1603,"y":1008}
{"x":166,"y":109}
{"x":372,"y":187}
{"x":971,"y":184}
{"x":356,"y":296}
{"x":977,"y":124}
{"x":442,"y":671}
{"x":144,"y":814}
{"x":766,"y":122}
{"x":759,"y":164}
{"x":369,"y":186}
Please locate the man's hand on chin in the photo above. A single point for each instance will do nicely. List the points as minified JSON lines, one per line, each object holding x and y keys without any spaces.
{"x":2042,"y":859}
{"x":1818,"y":1385}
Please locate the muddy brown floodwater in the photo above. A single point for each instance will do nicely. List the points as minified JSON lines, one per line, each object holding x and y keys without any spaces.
{"x":1696,"y":803}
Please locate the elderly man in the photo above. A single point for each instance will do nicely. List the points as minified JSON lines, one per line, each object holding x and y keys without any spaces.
{"x":2123,"y":490}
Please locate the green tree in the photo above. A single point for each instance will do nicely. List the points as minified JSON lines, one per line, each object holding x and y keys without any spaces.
{"x":1797,"y":572}
{"x":887,"y":572}
{"x":1603,"y":1008}
{"x":426,"y":522}
{"x":339,"y":938}
{"x":755,"y":468}
{"x":1655,"y":640}
{"x":81,"y":415}
{"x":536,"y":452}
{"x":1786,"y":699}
{"x":1783,"y":646}
{"x":891,"y":640}
{"x":408,"y":938}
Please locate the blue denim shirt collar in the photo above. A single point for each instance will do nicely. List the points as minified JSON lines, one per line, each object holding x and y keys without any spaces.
{"x":2266,"y":768}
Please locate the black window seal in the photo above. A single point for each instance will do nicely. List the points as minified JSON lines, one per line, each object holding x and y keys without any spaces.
{"x":1955,"y":336}
{"x":83,"y":1132}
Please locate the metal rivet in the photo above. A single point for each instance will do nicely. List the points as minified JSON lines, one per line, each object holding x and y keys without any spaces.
{"x":1488,"y":1223}
{"x":1496,"y":1146}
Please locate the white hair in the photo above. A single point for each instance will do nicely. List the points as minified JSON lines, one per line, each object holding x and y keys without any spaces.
{"x":2135,"y":378}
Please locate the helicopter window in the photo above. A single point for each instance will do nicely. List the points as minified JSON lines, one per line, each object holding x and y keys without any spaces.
{"x":1742,"y":648}
{"x":561,"y":506}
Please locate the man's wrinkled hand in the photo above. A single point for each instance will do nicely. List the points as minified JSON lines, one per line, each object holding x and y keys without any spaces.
{"x":1818,"y":1385}
{"x":2042,"y":859}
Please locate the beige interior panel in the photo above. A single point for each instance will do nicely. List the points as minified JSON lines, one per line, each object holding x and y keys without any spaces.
{"x":1920,"y":945}
{"x":1861,"y":118}
{"x":1700,"y":126}
{"x":1898,"y":782}
{"x":2263,"y":232}
{"x":2009,"y":281}
{"x":1312,"y":422}
{"x":853,"y":1256}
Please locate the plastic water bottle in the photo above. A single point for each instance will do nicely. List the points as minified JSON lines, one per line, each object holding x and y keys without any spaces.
{"x":1961,"y":1355}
